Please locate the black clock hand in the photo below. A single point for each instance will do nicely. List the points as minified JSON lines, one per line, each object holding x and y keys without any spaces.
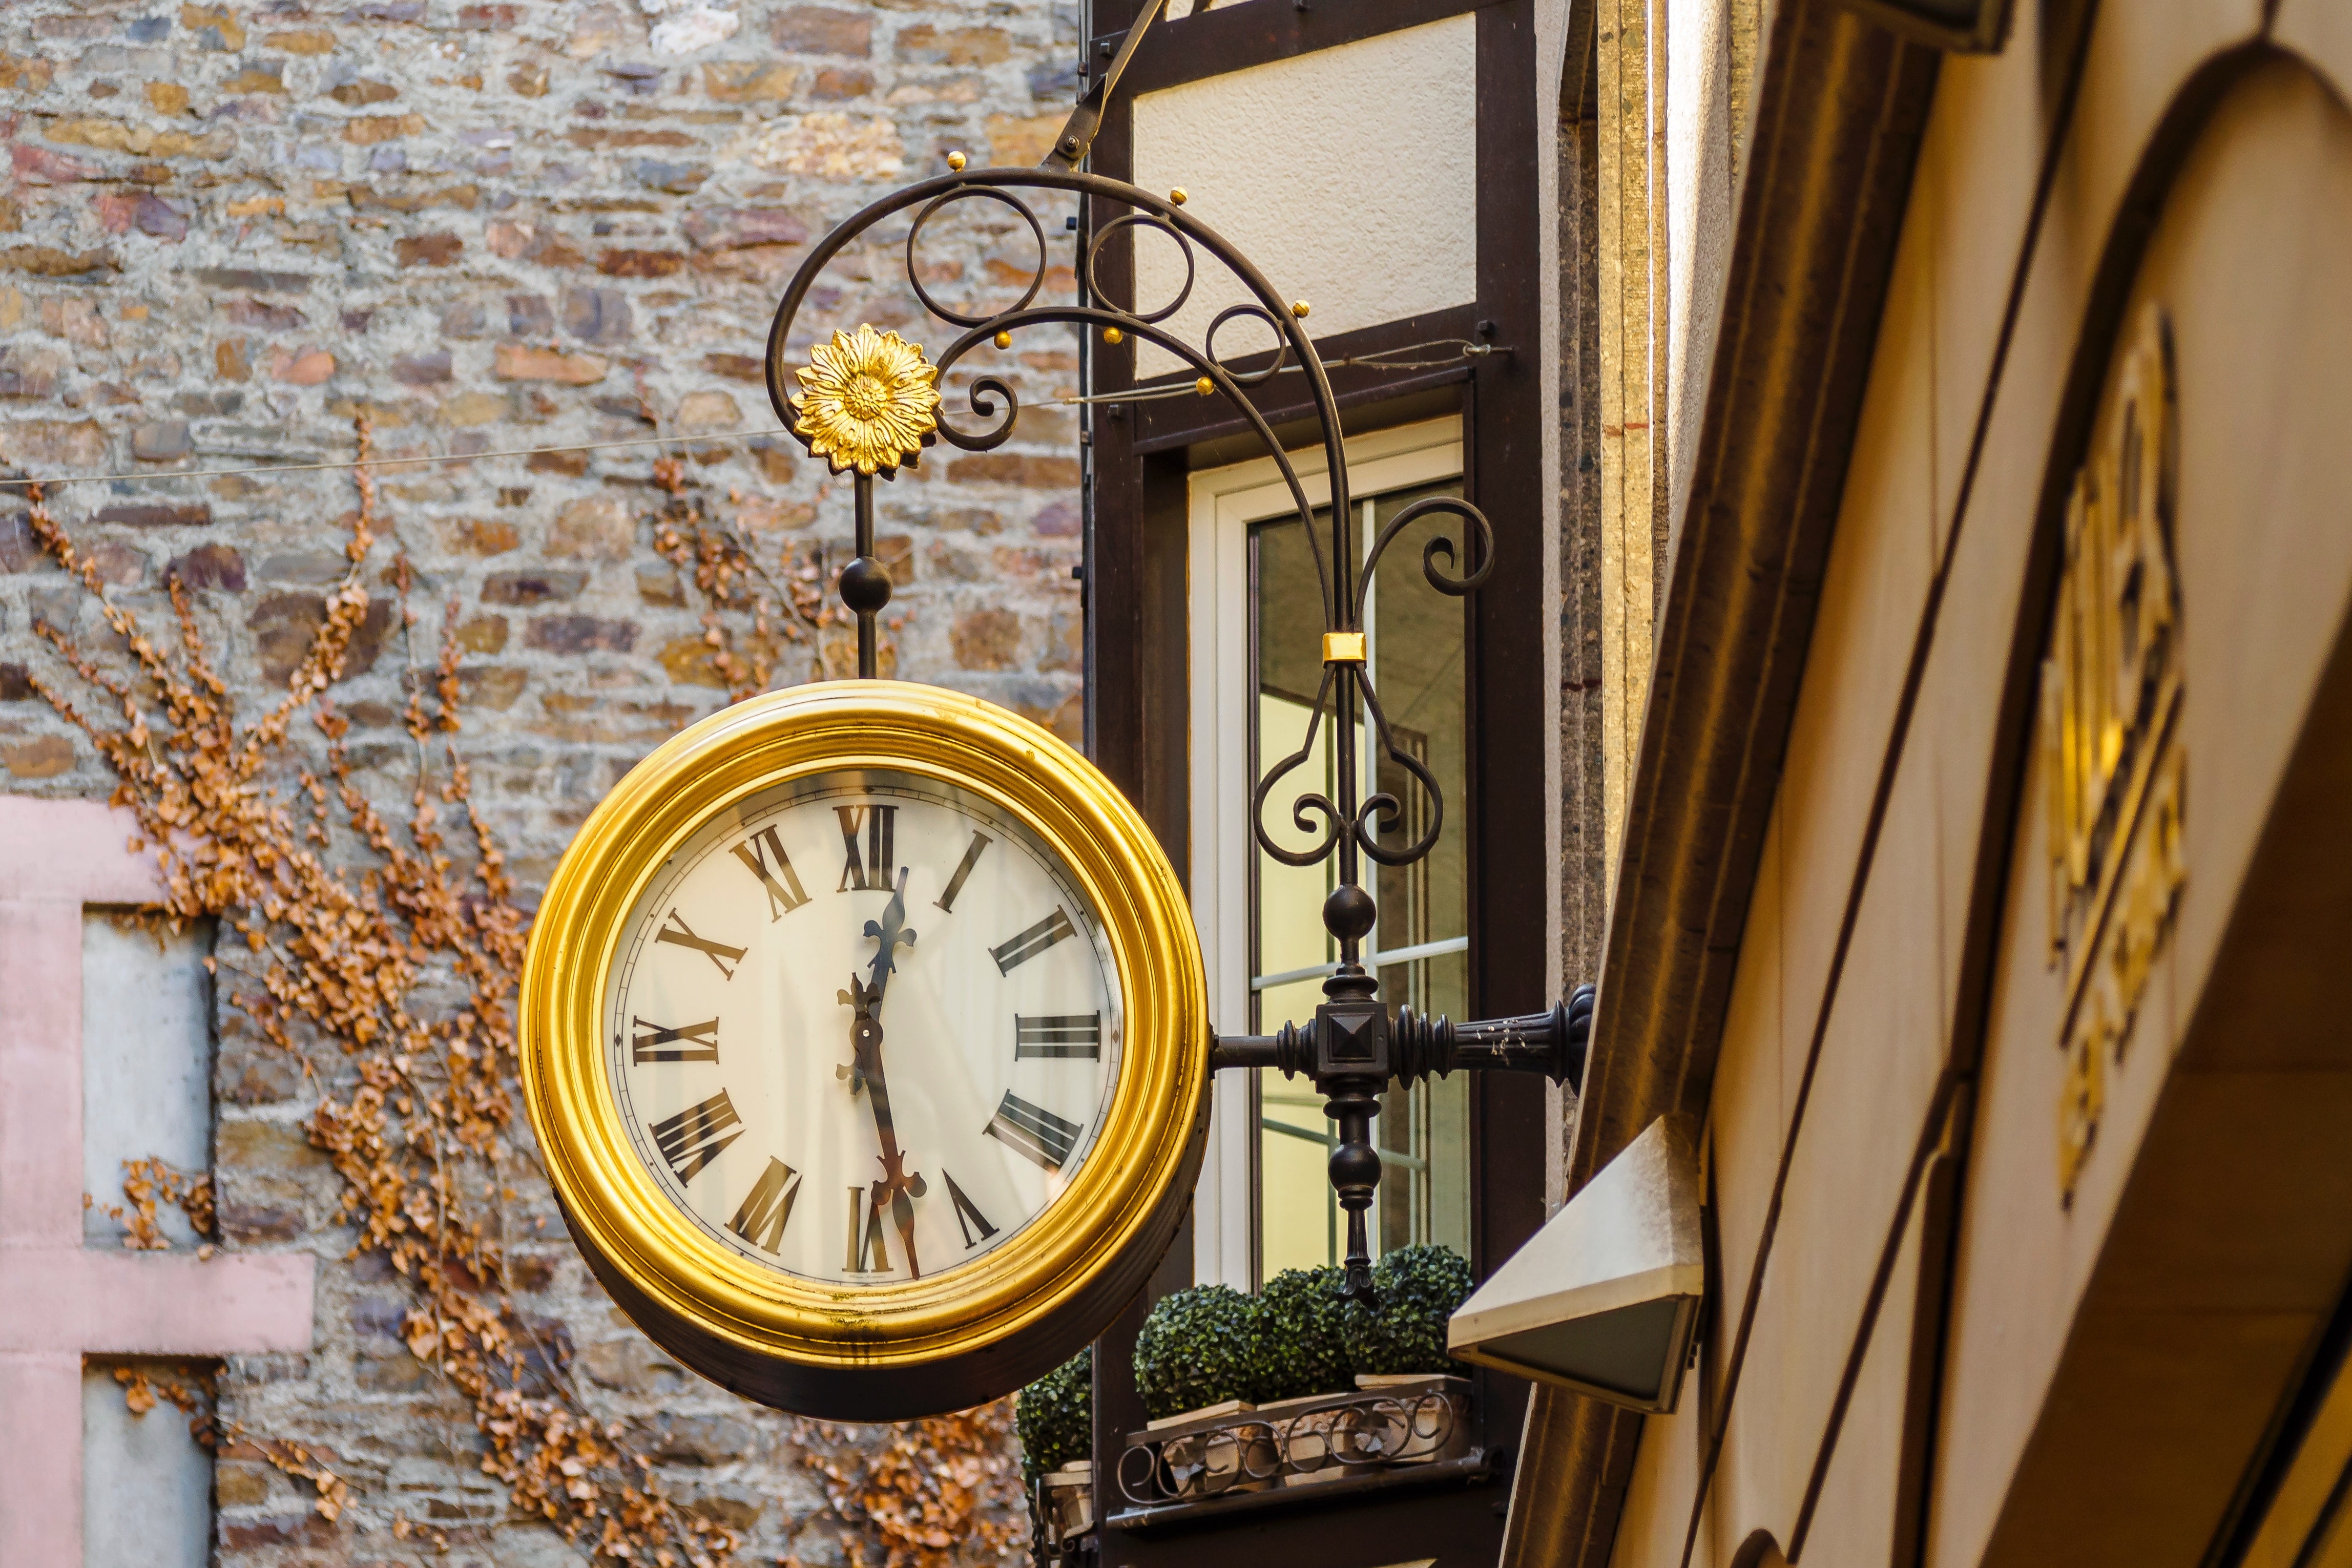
{"x":898,"y":1186}
{"x":890,"y":932}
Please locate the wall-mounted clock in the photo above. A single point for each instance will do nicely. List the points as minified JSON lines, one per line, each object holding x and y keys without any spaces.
{"x":864,"y":1035}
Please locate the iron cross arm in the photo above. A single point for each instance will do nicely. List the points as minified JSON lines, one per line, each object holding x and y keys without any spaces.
{"x":1355,"y":1037}
{"x":1354,"y":1046}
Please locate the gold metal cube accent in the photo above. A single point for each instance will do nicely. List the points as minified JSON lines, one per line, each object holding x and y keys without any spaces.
{"x":1343,"y":647}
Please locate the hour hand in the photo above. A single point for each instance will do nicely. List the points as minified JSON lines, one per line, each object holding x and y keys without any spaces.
{"x":864,"y":1032}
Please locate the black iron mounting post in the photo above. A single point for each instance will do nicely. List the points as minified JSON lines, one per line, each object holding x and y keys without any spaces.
{"x":1355,"y":1046}
{"x":865,"y":582}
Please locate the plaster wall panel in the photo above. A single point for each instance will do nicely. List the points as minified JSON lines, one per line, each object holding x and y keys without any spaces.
{"x":1748,"y":1126}
{"x":1873,"y":595}
{"x":1956,"y":722}
{"x":2244,"y":262}
{"x":1985,"y":563}
{"x":2321,"y":31}
{"x":146,"y":1060}
{"x":1651,"y":1530}
{"x":1852,"y":1520}
{"x":1972,"y":202}
{"x":1983,"y":154}
{"x":1954,"y":732}
{"x":1879,"y":1063}
{"x":2016,"y":1246}
{"x":2217,"y":1204}
{"x":147,"y":1485}
{"x":2266,"y":375}
{"x":1376,"y":154}
{"x":1747,"y":1115}
{"x":2124,"y":94}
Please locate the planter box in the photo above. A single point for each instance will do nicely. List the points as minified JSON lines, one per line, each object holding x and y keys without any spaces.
{"x":1068,"y":1506}
{"x":1237,"y":1448}
{"x":1204,"y":1453}
{"x":1189,"y":1420}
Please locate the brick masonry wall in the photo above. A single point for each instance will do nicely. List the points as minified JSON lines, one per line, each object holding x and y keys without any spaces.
{"x":226,"y":229}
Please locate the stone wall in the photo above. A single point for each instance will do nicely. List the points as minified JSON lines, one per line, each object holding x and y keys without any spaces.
{"x":226,"y":232}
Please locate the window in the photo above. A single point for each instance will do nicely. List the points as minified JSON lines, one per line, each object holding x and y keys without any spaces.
{"x":1257,"y":624}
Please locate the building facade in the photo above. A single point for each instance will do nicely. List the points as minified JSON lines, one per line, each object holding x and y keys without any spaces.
{"x":227,"y":232}
{"x":1983,"y":849}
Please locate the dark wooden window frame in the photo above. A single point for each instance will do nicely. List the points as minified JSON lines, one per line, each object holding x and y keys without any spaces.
{"x":1138,"y":704}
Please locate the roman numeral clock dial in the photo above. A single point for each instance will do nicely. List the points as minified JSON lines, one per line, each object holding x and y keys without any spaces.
{"x":864,"y":1037}
{"x":863,"y":1029}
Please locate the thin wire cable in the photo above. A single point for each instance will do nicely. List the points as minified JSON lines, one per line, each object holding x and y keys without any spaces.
{"x":1381,"y":360}
{"x":389,"y":462}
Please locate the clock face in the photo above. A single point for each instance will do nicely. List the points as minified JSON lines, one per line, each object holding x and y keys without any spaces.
{"x":863,"y":1027}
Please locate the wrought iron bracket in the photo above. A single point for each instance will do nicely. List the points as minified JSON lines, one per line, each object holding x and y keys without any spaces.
{"x":1412,"y":1046}
{"x":1355,"y":1046}
{"x":1078,"y":136}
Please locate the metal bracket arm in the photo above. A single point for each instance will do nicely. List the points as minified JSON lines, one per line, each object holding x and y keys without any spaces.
{"x":1553,"y":1043}
{"x":1069,"y":148}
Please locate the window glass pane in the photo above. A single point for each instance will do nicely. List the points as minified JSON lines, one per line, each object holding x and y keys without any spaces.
{"x":1415,"y":646}
{"x":1298,"y":1217}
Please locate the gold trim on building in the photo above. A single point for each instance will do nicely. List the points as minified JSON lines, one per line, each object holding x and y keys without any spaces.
{"x":2111,"y":760}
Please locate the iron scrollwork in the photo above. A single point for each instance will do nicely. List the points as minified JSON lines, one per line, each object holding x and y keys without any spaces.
{"x":1331,"y":1438}
{"x":1353,"y":1048}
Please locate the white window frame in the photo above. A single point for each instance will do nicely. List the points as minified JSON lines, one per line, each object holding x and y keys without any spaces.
{"x":1223,"y":504}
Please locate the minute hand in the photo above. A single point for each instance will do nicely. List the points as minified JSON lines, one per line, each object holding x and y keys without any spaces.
{"x":898,"y":1186}
{"x":889,"y":933}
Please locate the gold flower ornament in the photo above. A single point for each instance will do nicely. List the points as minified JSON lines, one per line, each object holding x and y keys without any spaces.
{"x":869,"y":402}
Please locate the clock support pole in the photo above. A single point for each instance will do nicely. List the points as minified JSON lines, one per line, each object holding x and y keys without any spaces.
{"x":865,"y":582}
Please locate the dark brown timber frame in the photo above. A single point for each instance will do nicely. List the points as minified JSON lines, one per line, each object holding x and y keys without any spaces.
{"x":1138,"y":705}
{"x":1839,"y":112}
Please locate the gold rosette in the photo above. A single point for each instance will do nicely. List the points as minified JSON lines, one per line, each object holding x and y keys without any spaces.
{"x":869,"y":401}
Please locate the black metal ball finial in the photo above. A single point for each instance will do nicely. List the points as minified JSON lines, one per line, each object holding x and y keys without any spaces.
{"x":1349,"y":912}
{"x":865,"y":586}
{"x":1355,"y":1164}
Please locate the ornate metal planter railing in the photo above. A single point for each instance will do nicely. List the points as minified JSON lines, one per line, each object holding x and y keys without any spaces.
{"x":1257,"y":1456}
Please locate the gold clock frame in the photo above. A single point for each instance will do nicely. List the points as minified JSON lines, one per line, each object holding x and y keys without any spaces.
{"x":904,"y":1349}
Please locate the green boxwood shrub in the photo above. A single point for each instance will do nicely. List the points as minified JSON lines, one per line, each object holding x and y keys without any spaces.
{"x":1055,"y":1417}
{"x":1200,"y":1346}
{"x":1211,"y":1343}
{"x":1419,"y":1289}
{"x":1308,"y":1333}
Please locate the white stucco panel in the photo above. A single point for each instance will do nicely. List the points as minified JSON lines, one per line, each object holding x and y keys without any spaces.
{"x":147,"y":1485}
{"x":1349,"y":176}
{"x":146,"y":1060}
